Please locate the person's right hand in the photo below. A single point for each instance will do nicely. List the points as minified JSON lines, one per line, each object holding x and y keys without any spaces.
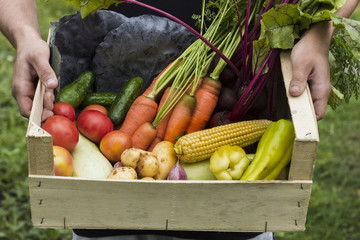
{"x":31,"y":64}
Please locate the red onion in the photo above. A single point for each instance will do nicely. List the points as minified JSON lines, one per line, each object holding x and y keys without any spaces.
{"x":118,"y":164}
{"x":177,"y":173}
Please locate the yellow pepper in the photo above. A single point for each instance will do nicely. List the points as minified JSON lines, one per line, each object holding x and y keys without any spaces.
{"x":273,"y":152}
{"x":229,"y":162}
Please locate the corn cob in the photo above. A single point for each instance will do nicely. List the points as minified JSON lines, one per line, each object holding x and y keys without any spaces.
{"x":200,"y":145}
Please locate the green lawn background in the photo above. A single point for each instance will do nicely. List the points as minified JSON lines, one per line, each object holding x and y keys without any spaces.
{"x":334,"y":208}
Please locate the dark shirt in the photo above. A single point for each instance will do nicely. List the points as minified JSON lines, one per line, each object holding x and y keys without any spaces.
{"x":178,"y":234}
{"x":183,"y":10}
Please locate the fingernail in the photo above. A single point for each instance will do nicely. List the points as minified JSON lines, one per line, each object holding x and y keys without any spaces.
{"x":295,"y":88}
{"x":51,"y":82}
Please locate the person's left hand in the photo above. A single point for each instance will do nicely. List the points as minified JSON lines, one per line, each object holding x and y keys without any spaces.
{"x":32,"y":63}
{"x":310,"y":62}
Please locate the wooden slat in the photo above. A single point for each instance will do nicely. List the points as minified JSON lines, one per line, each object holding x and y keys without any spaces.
{"x":39,"y":142}
{"x":306,"y":130}
{"x":37,"y":106}
{"x":39,"y":150}
{"x":65,"y":202}
{"x":60,"y":202}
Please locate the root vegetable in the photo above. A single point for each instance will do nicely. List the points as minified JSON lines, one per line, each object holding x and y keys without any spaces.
{"x":227,"y":100}
{"x":148,"y":165}
{"x":123,"y":173}
{"x":131,"y":156}
{"x":218,"y":119}
{"x":177,"y":173}
{"x":148,"y":179}
{"x":166,"y":156}
{"x":118,"y":164}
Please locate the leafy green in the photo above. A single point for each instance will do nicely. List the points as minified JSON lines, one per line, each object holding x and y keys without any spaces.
{"x":84,"y":34}
{"x":279,"y":29}
{"x":351,"y":26}
{"x":344,"y":66}
{"x":260,"y":52}
{"x":280,"y":26}
{"x":283,"y":24}
{"x":140,"y":47}
{"x":89,"y":6}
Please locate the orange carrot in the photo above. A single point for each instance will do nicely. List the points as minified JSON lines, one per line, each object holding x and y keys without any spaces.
{"x":161,"y":129}
{"x":161,"y":126}
{"x":143,"y":136}
{"x":180,"y":118}
{"x":153,"y":144}
{"x":142,"y":110}
{"x":206,"y":100}
{"x":190,"y":88}
{"x":151,"y":87}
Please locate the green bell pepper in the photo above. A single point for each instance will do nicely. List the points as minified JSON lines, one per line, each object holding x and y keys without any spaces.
{"x":273,"y":152}
{"x":229,"y":162}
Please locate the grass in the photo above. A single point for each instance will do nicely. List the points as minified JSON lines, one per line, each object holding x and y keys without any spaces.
{"x":14,"y":195}
{"x":334,"y":207}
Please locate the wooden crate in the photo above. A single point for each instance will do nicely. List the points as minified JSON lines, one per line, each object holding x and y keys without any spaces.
{"x":239,"y":206}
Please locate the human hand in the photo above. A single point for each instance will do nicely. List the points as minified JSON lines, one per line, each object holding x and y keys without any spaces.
{"x":310,"y":62}
{"x":32,"y":63}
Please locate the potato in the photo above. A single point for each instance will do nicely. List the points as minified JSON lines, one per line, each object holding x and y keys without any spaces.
{"x":166,"y":155}
{"x":123,"y":173}
{"x":148,"y":179}
{"x":148,"y":165}
{"x":130,"y":157}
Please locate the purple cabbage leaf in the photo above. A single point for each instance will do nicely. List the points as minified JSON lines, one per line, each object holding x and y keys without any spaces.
{"x":141,"y":47}
{"x":76,"y":40}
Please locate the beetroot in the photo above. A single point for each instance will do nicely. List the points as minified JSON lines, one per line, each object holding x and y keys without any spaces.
{"x":227,"y":100}
{"x":219,"y":118}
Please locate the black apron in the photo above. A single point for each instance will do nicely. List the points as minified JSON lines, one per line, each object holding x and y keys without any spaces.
{"x":183,"y":9}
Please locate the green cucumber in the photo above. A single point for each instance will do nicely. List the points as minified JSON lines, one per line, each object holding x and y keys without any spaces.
{"x":75,"y":92}
{"x":101,"y":98}
{"x":127,"y":95}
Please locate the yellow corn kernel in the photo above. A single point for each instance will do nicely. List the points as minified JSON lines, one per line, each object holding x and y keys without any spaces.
{"x":200,"y":145}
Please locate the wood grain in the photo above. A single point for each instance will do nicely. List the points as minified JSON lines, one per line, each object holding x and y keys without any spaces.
{"x":306,"y":129}
{"x":169,"y":205}
{"x":240,"y":206}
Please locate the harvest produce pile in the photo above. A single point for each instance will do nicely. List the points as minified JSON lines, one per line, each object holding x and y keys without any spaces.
{"x":162,"y":101}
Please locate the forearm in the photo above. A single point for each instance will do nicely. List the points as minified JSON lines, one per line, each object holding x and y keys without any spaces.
{"x":345,"y":11}
{"x":325,"y":30}
{"x":314,"y":67}
{"x":348,"y":8}
{"x":18,"y":20}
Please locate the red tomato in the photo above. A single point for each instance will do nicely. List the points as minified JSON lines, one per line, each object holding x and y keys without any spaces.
{"x":94,"y":125}
{"x":63,"y":162}
{"x":64,"y":109}
{"x":113,"y":144}
{"x":63,"y":131}
{"x":96,"y":107}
